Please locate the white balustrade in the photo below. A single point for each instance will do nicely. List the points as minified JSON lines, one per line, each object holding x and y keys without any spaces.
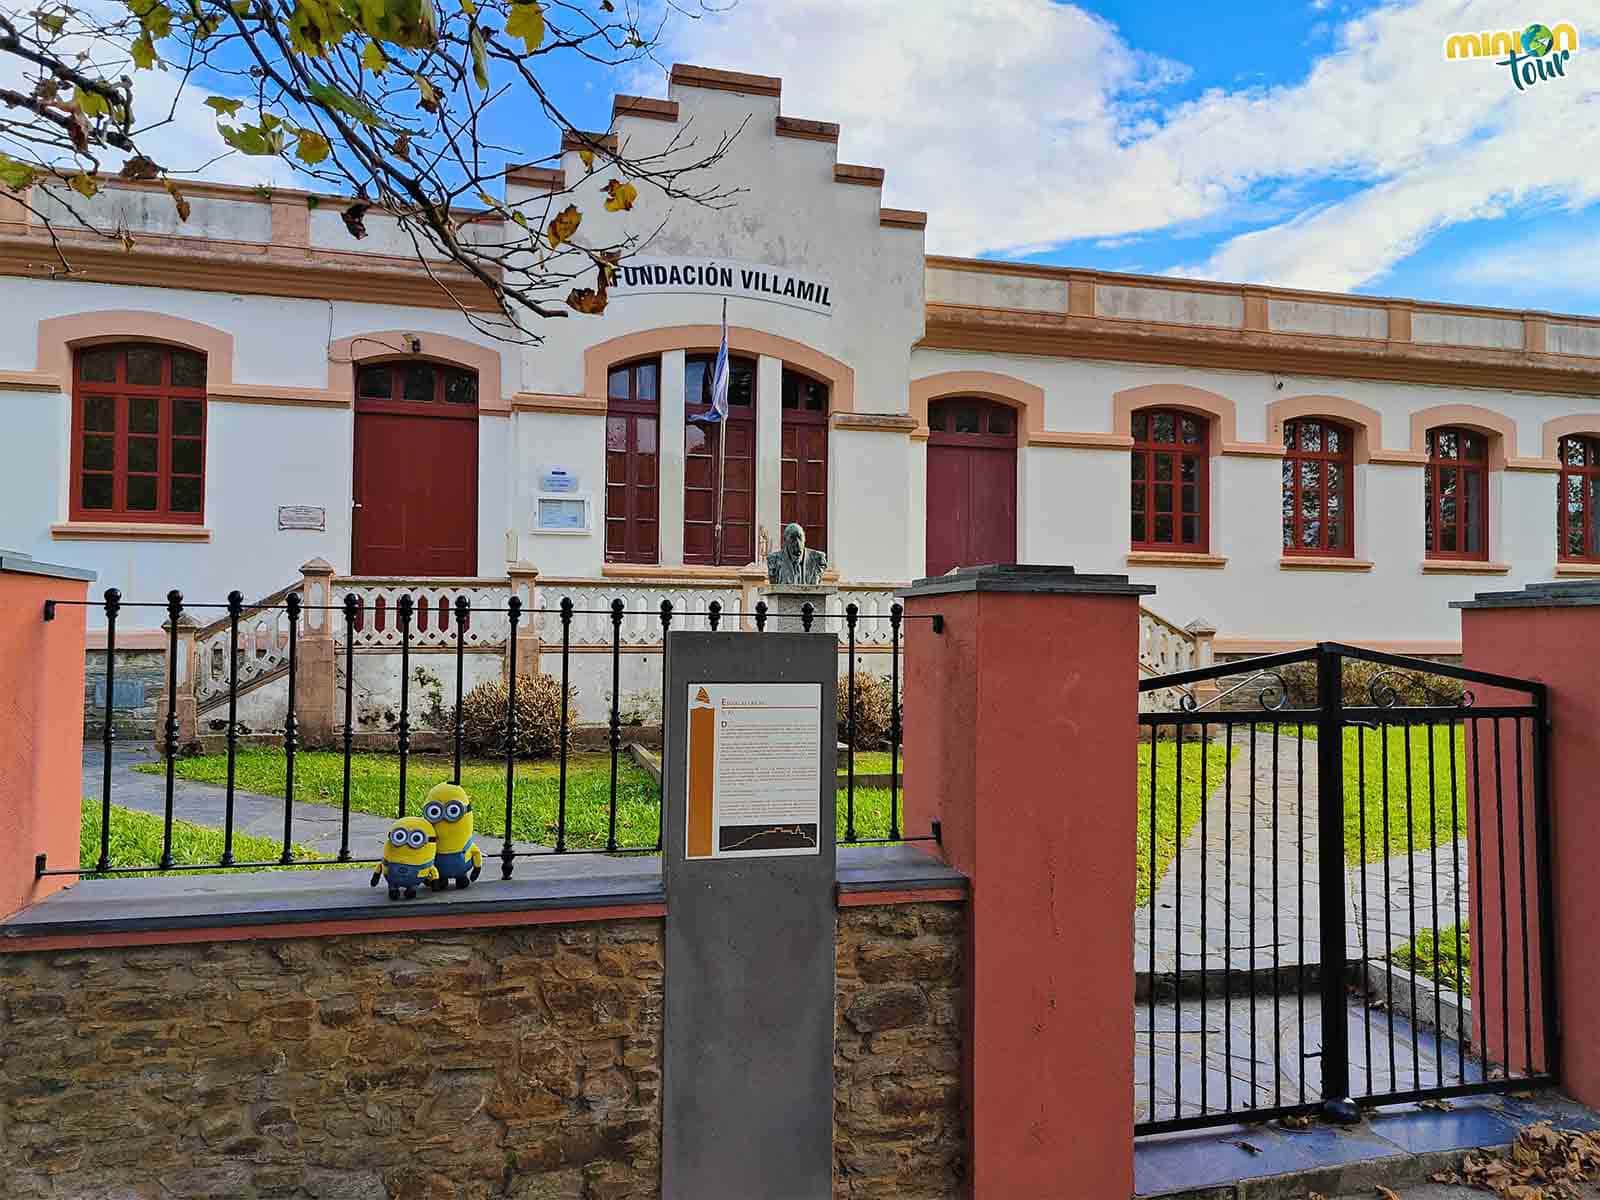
{"x":262,"y":648}
{"x":433,"y":619}
{"x":641,"y":603}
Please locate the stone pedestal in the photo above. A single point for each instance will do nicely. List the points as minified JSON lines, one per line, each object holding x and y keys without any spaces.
{"x":785,"y":603}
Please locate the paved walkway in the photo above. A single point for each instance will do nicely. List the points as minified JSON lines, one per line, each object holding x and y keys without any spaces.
{"x":316,"y":826}
{"x":1243,"y":890}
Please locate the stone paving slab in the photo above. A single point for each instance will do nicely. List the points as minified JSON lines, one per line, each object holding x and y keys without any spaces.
{"x":1243,"y":890}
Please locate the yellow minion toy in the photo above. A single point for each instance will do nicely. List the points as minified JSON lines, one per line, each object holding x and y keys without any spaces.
{"x":408,"y":858}
{"x":449,"y":808}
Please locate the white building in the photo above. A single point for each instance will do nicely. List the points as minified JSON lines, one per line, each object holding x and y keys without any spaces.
{"x":254,"y":389}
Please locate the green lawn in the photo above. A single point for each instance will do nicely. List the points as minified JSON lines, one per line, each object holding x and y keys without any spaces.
{"x":1428,"y":818}
{"x":1169,"y":829}
{"x":375,"y":788}
{"x":1433,"y":956}
{"x":136,"y":841}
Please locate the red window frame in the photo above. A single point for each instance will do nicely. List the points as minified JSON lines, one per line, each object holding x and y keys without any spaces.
{"x":1458,"y":464}
{"x":1577,"y":496}
{"x":1155,"y":454}
{"x":804,"y":466}
{"x":401,"y":381}
{"x":633,"y":462}
{"x":130,"y":420}
{"x":1315,"y":510}
{"x":737,"y":469}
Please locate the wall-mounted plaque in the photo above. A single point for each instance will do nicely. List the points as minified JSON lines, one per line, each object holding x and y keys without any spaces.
{"x":558,"y":479}
{"x":302,"y":516}
{"x":561,"y":514}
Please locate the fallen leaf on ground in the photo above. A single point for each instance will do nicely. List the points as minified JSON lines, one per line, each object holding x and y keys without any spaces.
{"x":1438,"y":1105}
{"x":1247,"y":1147}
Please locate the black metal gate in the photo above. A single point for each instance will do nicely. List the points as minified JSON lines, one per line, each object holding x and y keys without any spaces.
{"x":1345,"y":888}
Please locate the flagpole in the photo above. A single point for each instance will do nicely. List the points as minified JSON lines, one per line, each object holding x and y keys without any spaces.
{"x":722,"y":445}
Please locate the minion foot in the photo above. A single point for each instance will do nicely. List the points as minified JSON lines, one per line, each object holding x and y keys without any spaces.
{"x":463,"y":882}
{"x":411,"y":893}
{"x":394,"y":893}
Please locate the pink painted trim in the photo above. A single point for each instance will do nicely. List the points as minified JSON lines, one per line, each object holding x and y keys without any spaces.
{"x":347,"y":353}
{"x":925,"y":896}
{"x":1222,"y":411}
{"x":1500,"y":429}
{"x":1366,"y":423}
{"x":397,"y":924}
{"x":60,"y":336}
{"x":1026,"y":398}
{"x":599,"y":359}
{"x":1560,"y":427}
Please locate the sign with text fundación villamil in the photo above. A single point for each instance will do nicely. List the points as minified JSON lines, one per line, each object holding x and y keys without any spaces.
{"x":722,"y":277}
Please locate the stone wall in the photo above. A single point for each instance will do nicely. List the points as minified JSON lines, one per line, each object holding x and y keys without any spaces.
{"x":139,"y":684}
{"x":434,"y":1066}
{"x":517,"y":1063}
{"x":898,"y":1125}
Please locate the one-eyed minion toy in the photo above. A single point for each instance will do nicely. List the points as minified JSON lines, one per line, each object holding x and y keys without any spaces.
{"x":449,"y":808}
{"x":408,"y":858}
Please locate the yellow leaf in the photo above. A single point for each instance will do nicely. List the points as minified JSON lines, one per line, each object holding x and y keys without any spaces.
{"x":311,"y":147}
{"x":480,"y":58}
{"x":526,"y":21}
{"x":90,"y":104}
{"x":373,"y":60}
{"x":223,"y":106}
{"x":428,"y":95}
{"x":84,"y":185}
{"x":562,"y":226}
{"x":586,"y":157}
{"x":178,"y":200}
{"x":143,"y":52}
{"x":620,"y":196}
{"x":487,"y":200}
{"x":468,"y":7}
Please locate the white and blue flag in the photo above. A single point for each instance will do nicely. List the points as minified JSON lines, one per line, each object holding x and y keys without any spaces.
{"x":719,"y":375}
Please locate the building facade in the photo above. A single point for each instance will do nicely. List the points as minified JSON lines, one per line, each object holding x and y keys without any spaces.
{"x":254,"y":390}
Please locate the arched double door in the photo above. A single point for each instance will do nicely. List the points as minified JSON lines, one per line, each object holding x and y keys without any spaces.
{"x":972,"y":484}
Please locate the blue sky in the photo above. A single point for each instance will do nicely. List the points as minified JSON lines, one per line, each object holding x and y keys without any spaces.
{"x":1322,"y":144}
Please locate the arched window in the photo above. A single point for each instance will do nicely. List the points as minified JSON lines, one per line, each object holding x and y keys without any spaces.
{"x":1171,"y":481}
{"x":709,"y":470}
{"x":633,"y":416}
{"x":805,"y":456}
{"x":1317,"y":488}
{"x":138,"y":434}
{"x":1578,"y":532}
{"x":1457,"y":494}
{"x":417,"y":382}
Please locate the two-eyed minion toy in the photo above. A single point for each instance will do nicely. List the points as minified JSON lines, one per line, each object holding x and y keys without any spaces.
{"x":448,"y":807}
{"x":409,"y":851}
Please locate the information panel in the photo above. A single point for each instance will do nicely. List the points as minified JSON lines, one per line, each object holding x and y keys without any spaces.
{"x":754,"y":769}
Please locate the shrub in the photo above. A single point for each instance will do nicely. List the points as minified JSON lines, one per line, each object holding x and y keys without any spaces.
{"x":1361,"y":680}
{"x":483,"y":716}
{"x":874,"y":711}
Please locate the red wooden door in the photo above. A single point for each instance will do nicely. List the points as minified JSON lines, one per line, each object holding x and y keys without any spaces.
{"x":416,"y":474}
{"x":972,"y":485}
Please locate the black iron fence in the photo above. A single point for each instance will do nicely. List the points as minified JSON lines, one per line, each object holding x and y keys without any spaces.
{"x":1350,"y":899}
{"x":846,"y":624}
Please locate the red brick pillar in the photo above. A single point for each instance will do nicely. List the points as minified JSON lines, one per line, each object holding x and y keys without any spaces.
{"x":41,"y":725}
{"x":1021,"y":719}
{"x":1546,"y":633}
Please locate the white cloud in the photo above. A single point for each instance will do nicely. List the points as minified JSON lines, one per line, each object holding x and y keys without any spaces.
{"x":1029,"y":123}
{"x":1548,"y":263}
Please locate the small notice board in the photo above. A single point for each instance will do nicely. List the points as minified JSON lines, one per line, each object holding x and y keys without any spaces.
{"x":754,"y":766}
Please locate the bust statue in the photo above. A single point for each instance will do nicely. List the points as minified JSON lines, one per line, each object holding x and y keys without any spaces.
{"x":794,"y":565}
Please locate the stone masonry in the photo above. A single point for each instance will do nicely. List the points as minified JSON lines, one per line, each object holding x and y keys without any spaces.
{"x":517,"y":1063}
{"x":898,"y":1125}
{"x":449,"y":1065}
